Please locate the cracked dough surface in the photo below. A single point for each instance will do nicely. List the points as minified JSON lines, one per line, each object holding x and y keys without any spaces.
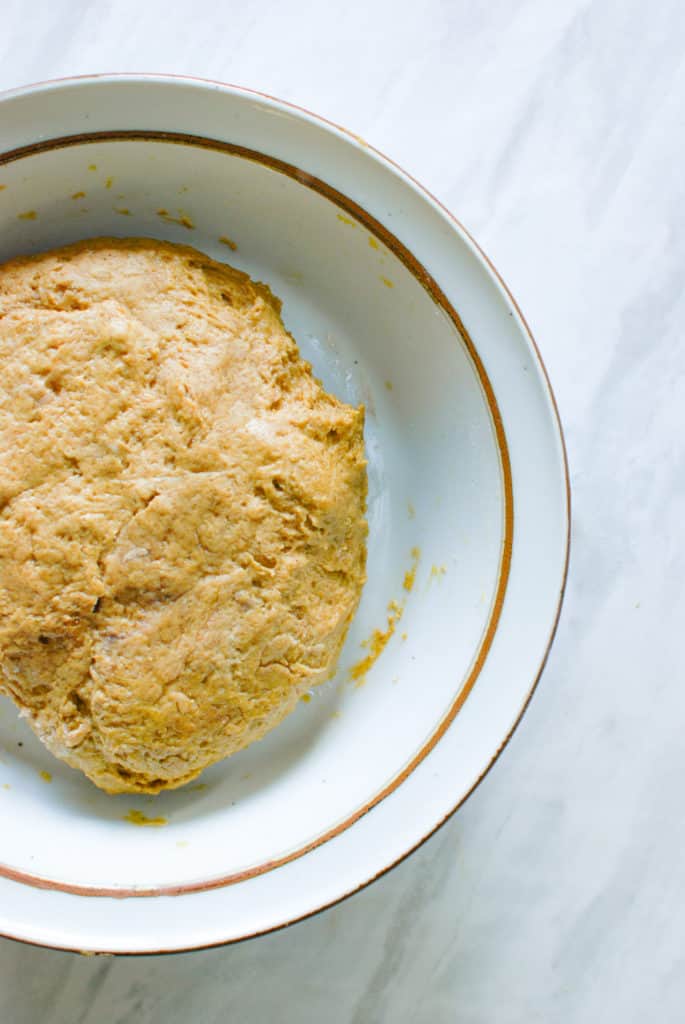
{"x":182,"y":531}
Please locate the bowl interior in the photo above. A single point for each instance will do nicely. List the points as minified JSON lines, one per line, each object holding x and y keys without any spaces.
{"x":374,"y":335}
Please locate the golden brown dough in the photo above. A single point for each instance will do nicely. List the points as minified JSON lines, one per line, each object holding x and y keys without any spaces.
{"x":182,"y":532}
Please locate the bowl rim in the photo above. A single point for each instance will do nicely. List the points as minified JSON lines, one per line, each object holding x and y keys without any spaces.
{"x":493,"y":618}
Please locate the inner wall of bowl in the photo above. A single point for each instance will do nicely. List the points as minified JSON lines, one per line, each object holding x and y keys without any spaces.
{"x":373,"y":335}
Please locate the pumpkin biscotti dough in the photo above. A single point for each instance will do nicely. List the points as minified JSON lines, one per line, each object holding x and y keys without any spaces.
{"x":182,"y":531}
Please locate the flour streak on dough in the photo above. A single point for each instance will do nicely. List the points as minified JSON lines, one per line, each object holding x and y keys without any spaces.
{"x":182,"y":531}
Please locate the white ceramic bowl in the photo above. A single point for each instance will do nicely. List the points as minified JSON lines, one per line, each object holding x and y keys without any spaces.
{"x":395,"y":306}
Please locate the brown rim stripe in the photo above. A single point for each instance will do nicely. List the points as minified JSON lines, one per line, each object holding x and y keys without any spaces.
{"x":419,"y":272}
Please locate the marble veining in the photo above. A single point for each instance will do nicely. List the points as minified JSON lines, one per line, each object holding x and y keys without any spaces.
{"x":554,"y":131}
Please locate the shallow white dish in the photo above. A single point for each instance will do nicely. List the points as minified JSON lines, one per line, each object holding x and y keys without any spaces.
{"x":396,"y":307}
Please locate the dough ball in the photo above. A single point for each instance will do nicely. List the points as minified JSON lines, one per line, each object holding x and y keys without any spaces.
{"x":182,"y":531}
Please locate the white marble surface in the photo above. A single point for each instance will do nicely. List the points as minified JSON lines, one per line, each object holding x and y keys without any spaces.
{"x":555,"y":132}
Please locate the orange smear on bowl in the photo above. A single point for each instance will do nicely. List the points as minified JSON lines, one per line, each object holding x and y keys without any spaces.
{"x":376,"y":644}
{"x":183,"y":219}
{"x":410,"y":574}
{"x":138,"y":818}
